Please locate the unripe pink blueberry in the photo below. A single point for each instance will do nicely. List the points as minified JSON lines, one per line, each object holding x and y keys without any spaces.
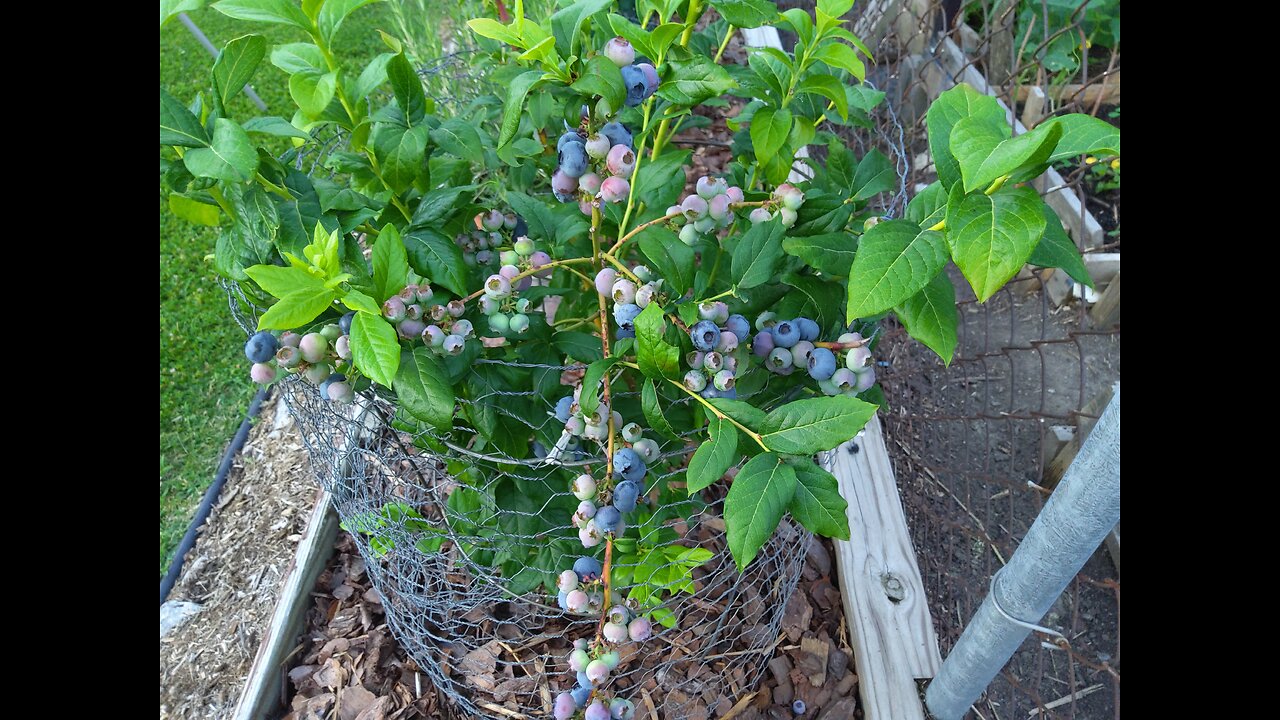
{"x":564,"y":186}
{"x":408,"y":294}
{"x":565,"y":707}
{"x":584,"y":207}
{"x":759,"y":215}
{"x":590,"y":183}
{"x":650,"y":74}
{"x":865,"y":380}
{"x":615,"y":189}
{"x":596,"y":711}
{"x":735,"y":194}
{"x":597,"y":671}
{"x":491,"y":220}
{"x":851,"y":337}
{"x":605,"y":280}
{"x":621,"y":161}
{"x":728,"y":342}
{"x":644,"y":295}
{"x":586,"y":509}
{"x":567,"y":582}
{"x":413,"y":312}
{"x":290,"y":339}
{"x":694,"y":207}
{"x":620,"y":52}
{"x":615,"y":633}
{"x":589,"y":535}
{"x":340,"y":392}
{"x":288,"y":356}
{"x":718,"y":207}
{"x":859,"y":359}
{"x":262,"y":373}
{"x":314,"y":347}
{"x":393,"y":309}
{"x":577,"y":601}
{"x":456,"y":308}
{"x":640,"y":629}
{"x":597,"y":147}
{"x":624,"y":291}
{"x":343,"y":347}
{"x":411,"y":329}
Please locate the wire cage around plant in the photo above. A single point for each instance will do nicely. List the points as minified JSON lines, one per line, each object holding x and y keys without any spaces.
{"x":464,"y":547}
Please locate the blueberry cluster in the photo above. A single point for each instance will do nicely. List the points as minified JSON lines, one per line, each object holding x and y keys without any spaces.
{"x":581,"y":593}
{"x":480,"y":246}
{"x":316,"y":356}
{"x":640,"y":78}
{"x":630,"y":464}
{"x":787,"y":199}
{"x":629,"y":299}
{"x":719,"y":349}
{"x":707,"y":210}
{"x":441,"y":327}
{"x":786,"y":345}
{"x":506,"y":311}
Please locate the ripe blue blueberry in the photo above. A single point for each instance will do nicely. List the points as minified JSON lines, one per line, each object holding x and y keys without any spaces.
{"x":573,"y":159}
{"x":588,"y":568}
{"x":625,"y":495}
{"x":563,"y":600}
{"x":607,"y":519}
{"x":739,"y":326}
{"x":637,"y":85}
{"x":762,"y":344}
{"x":809,"y":329}
{"x":798,"y":707}
{"x":344,"y":322}
{"x":626,"y":313}
{"x":629,"y":464}
{"x":568,"y":137}
{"x":704,"y":335}
{"x":617,"y":134}
{"x":779,"y":359}
{"x":261,"y":346}
{"x":564,"y":407}
{"x":623,"y":333}
{"x":822,"y":364}
{"x":596,"y":711}
{"x":580,"y":695}
{"x":786,"y":334}
{"x":584,"y":682}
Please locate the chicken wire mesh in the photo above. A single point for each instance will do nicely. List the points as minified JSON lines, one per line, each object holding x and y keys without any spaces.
{"x":973,"y":444}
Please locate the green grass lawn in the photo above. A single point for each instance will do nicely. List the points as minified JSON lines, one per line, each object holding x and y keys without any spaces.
{"x":204,"y":377}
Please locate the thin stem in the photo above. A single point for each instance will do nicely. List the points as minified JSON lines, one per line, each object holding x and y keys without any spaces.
{"x":274,"y":187}
{"x":715,"y":410}
{"x":640,"y":228}
{"x":530,"y":272}
{"x":724,"y":44}
{"x":995,"y":186}
{"x":222,"y":202}
{"x":842,"y":345}
{"x":604,"y":576}
{"x":635,"y":171}
{"x":726,"y":293}
{"x":695,"y":11}
{"x":621,"y":268}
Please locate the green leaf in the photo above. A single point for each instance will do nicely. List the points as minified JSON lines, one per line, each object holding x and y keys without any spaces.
{"x":746,"y":13}
{"x":993,"y":236}
{"x":829,"y":88}
{"x":805,"y":427}
{"x":542,"y":224}
{"x":403,"y":154}
{"x":672,"y":259}
{"x":566,"y":24}
{"x":194,"y":211}
{"x":514,"y":106}
{"x":296,"y":309}
{"x":754,"y":506}
{"x":800,"y":23}
{"x":494,"y":30}
{"x":835,"y":8}
{"x":842,"y":56}
{"x":875,"y":175}
{"x":950,"y":108}
{"x":280,"y":281}
{"x":832,"y":253}
{"x":930,"y":316}
{"x":817,"y":503}
{"x":281,"y":12}
{"x":773,"y":68}
{"x":745,"y":413}
{"x":694,"y":81}
{"x":169,"y":8}
{"x":333,"y":12}
{"x":769,"y":131}
{"x":312,"y":90}
{"x":589,"y":398}
{"x":655,"y":356}
{"x":1084,"y":135}
{"x":602,"y":77}
{"x":390,"y":263}
{"x":580,"y":346}
{"x":713,"y":458}
{"x":274,"y":126}
{"x":422,"y":385}
{"x":358,"y":301}
{"x":653,"y":410}
{"x":659,"y":183}
{"x":373,"y":75}
{"x":230,"y":156}
{"x":895,"y":260}
{"x":298,"y":57}
{"x":973,"y":139}
{"x":1027,"y":151}
{"x":756,"y":256}
{"x":460,"y":139}
{"x":439,"y":205}
{"x":437,"y":258}
{"x":1057,"y":250}
{"x":407,"y":87}
{"x":236,"y":63}
{"x":375,"y":349}
{"x":178,"y":126}
{"x":929,"y":206}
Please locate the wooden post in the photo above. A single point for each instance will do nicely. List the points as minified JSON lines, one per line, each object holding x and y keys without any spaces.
{"x":885,"y":604}
{"x":1107,"y":312}
{"x":1000,"y":61}
{"x":1056,"y":468}
{"x":1033,"y":107}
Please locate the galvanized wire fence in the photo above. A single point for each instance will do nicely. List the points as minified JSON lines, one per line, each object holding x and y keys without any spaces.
{"x":972,"y":443}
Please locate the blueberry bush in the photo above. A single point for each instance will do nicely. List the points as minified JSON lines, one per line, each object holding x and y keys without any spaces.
{"x":438,"y":261}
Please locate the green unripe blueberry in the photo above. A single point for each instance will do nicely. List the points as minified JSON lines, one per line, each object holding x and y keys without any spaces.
{"x":519,"y":323}
{"x":331,"y":332}
{"x":524,"y":248}
{"x":499,"y":322}
{"x":632,"y":432}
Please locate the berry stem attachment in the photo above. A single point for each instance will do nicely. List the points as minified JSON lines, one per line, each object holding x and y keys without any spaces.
{"x":604,"y":577}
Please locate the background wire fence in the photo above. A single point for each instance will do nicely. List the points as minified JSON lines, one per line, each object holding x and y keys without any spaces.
{"x":971,"y":442}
